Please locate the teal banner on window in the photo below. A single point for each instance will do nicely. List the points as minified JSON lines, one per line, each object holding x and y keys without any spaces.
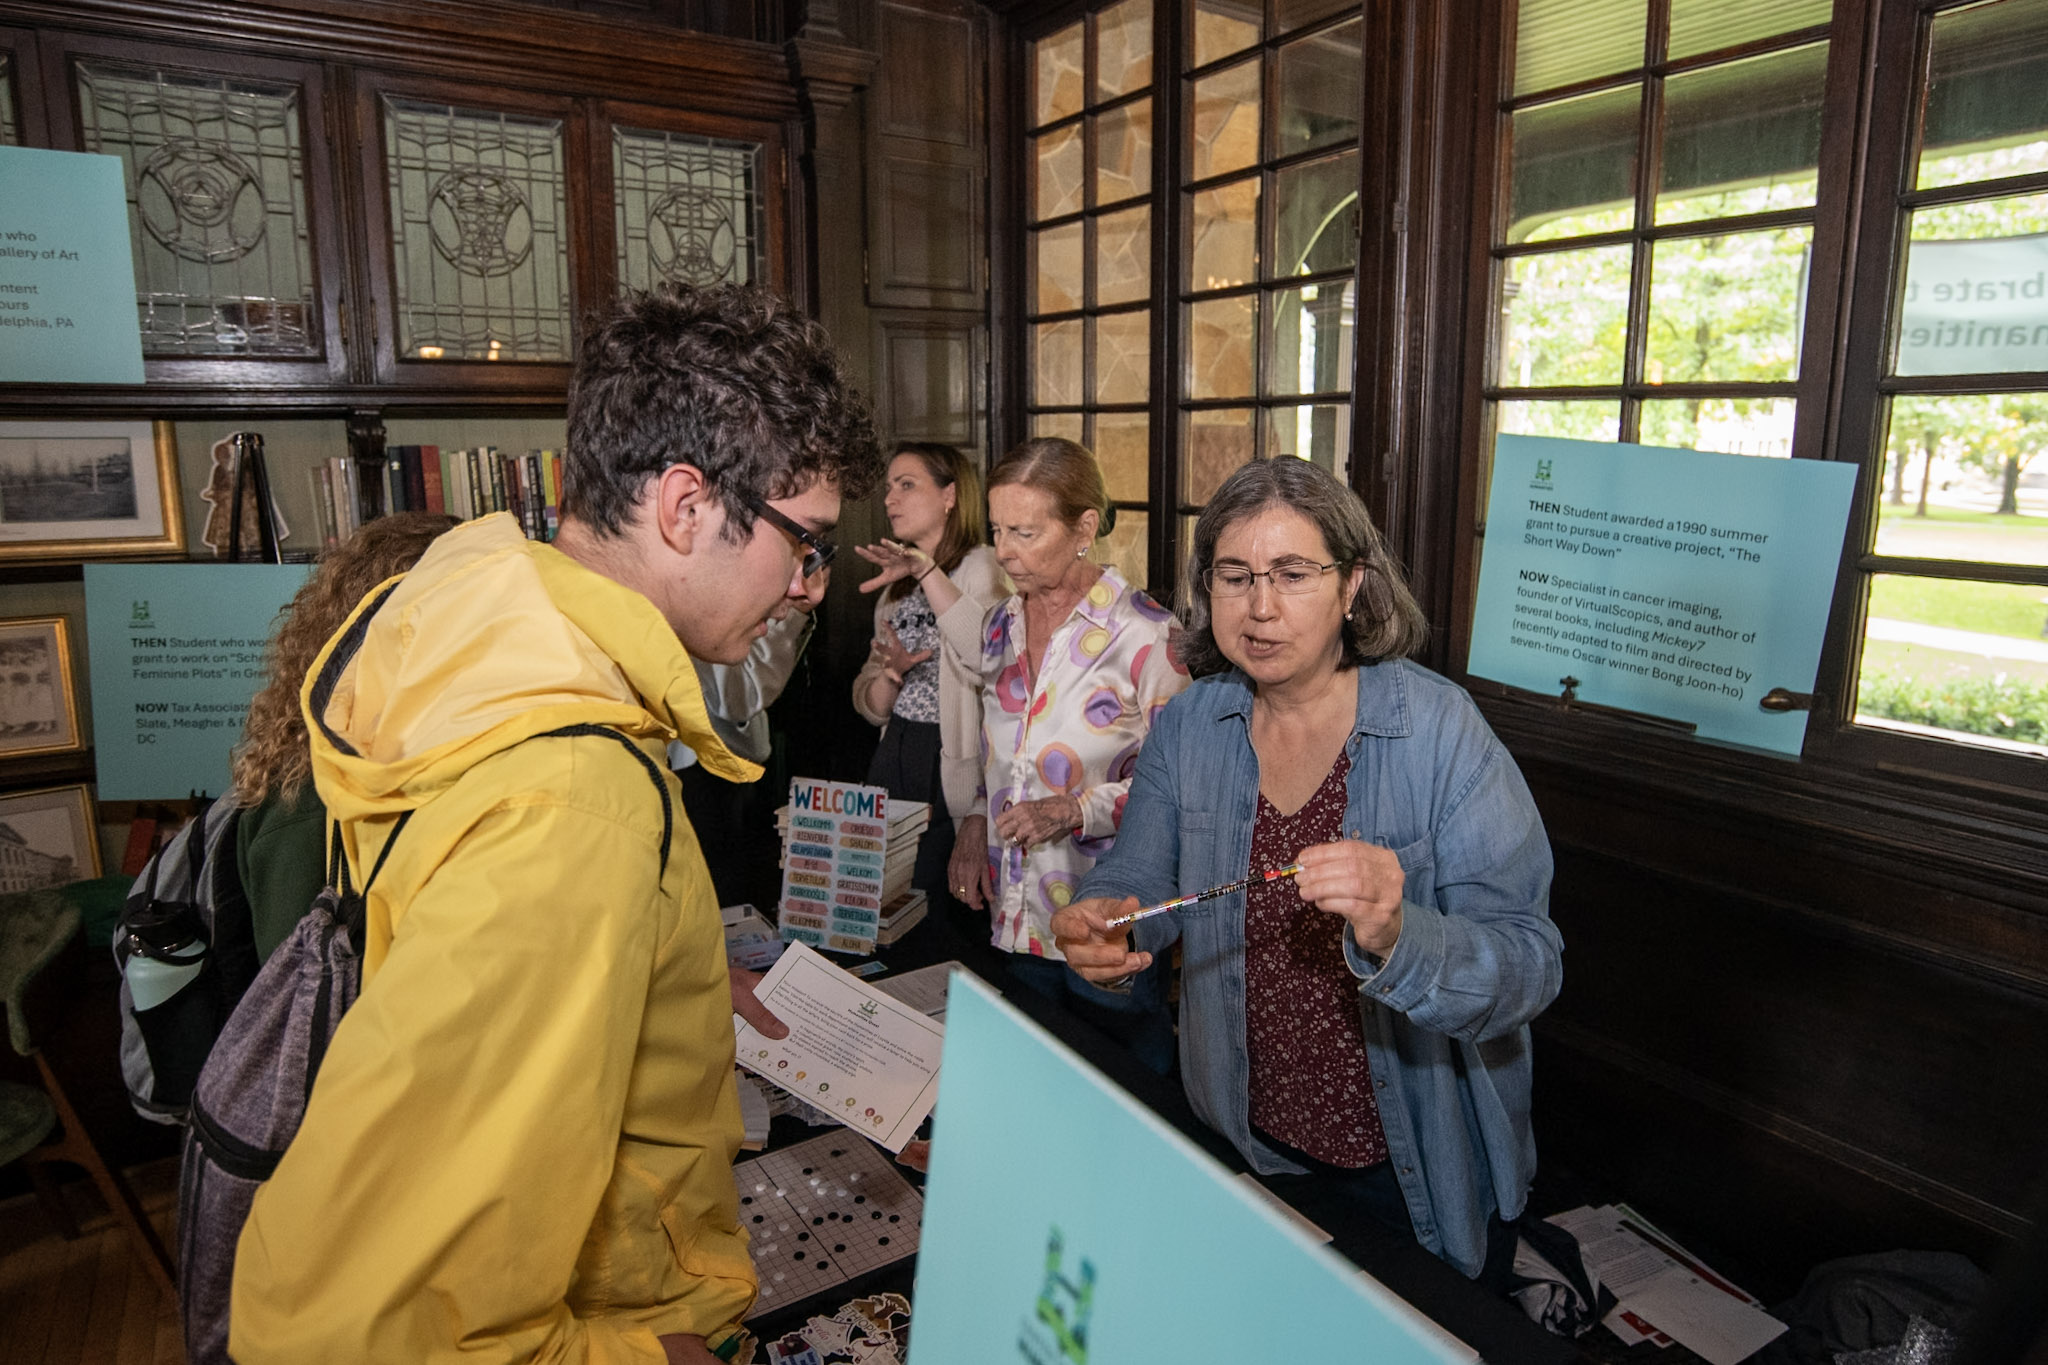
{"x":67,"y":271}
{"x":177,"y":651}
{"x":1674,"y":583}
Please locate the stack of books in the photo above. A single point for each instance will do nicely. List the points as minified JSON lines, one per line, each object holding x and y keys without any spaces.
{"x":459,"y":483}
{"x":899,"y":916}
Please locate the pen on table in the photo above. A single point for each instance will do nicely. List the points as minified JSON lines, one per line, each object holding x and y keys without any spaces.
{"x":1212,"y":893}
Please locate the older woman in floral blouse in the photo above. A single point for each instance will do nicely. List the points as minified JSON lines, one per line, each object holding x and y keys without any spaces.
{"x":1074,"y":666}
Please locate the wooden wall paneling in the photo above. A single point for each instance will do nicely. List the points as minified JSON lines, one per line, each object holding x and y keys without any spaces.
{"x":928,"y":368}
{"x":31,"y":120}
{"x":62,"y":55}
{"x":928,"y":158}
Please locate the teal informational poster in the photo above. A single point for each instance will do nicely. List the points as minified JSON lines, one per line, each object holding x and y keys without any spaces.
{"x":1066,"y":1224}
{"x":1669,"y":582}
{"x":176,"y":651}
{"x":67,"y":271}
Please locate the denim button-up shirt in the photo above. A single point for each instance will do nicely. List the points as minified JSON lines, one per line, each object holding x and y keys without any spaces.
{"x":1446,"y":1016}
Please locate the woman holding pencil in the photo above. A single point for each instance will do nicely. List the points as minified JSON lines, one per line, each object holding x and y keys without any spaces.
{"x":1354,"y":1017}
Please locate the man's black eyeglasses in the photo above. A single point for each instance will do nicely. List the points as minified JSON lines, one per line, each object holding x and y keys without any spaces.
{"x":817,"y":552}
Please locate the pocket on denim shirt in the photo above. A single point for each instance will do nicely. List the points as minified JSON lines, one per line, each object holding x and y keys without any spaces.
{"x":1418,"y":871}
{"x":1198,"y":855}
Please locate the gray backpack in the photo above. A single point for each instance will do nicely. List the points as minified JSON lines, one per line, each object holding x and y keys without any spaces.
{"x":252,"y":1092}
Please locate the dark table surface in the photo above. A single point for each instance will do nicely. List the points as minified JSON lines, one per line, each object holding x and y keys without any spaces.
{"x":1494,"y":1327}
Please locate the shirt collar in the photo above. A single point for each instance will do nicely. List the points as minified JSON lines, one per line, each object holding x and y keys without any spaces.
{"x":1382,"y":701}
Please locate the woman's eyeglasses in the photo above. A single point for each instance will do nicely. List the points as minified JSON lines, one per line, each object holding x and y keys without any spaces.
{"x":818,"y":552}
{"x":1294,"y":577}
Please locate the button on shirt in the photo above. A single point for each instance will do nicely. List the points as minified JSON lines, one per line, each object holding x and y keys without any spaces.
{"x":1447,"y":1032}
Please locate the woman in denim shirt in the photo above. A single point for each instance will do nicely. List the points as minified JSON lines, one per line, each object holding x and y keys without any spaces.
{"x":1360,"y":1032}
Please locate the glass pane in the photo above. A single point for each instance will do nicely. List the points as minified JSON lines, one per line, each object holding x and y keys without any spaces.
{"x":1731,"y":426}
{"x":1067,"y":424}
{"x":1125,"y":547}
{"x":1056,"y":278}
{"x":1056,"y":85}
{"x":1311,"y":350}
{"x":1743,"y":137}
{"x":1125,"y":454}
{"x":1123,"y":153}
{"x":1961,"y":660}
{"x":9,"y":135}
{"x":1976,"y":295}
{"x":1223,"y":247}
{"x":1057,"y":171}
{"x":1220,"y":348}
{"x":1319,"y":433}
{"x":1566,"y":318}
{"x":1290,"y":15}
{"x":1223,"y":27}
{"x":1123,"y":350}
{"x":1963,"y":479}
{"x":1987,"y":95}
{"x":1727,"y":308}
{"x":1563,"y":42}
{"x":687,"y":209}
{"x":1056,"y":364}
{"x":1123,"y":49}
{"x":216,"y":182}
{"x":1123,"y":256}
{"x":1703,"y":25}
{"x":1575,"y":166}
{"x":1578,"y":419}
{"x":1218,"y":441}
{"x":1321,"y":84}
{"x":1316,"y":216}
{"x":1226,"y":121}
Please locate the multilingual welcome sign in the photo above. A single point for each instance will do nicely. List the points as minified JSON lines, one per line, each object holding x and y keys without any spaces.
{"x":1675,"y":583}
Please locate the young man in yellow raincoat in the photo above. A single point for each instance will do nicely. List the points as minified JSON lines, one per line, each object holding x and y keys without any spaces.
{"x":520,"y":1144}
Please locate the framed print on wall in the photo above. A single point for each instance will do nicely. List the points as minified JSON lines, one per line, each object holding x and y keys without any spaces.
{"x":89,"y":490}
{"x":38,"y":707}
{"x":47,"y":838}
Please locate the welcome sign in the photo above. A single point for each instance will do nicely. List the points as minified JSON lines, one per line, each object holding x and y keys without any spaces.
{"x":832,"y":864}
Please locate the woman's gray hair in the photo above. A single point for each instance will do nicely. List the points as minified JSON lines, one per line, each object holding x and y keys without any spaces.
{"x":1384,"y":622}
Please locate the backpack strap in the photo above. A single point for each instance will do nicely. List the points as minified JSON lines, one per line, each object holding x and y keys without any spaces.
{"x":668,"y":814}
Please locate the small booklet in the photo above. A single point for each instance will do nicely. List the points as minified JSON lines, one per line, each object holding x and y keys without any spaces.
{"x":854,"y":1052}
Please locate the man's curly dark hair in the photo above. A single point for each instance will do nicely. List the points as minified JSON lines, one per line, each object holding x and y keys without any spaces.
{"x":732,"y":379}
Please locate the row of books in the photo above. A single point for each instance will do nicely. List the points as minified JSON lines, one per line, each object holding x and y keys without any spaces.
{"x":457,"y":483}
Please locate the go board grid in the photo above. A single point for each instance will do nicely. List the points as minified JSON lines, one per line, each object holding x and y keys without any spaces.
{"x":821,"y":1213}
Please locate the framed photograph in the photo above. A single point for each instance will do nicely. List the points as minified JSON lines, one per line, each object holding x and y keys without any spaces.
{"x":89,"y":490}
{"x":47,"y":838}
{"x":38,"y":708}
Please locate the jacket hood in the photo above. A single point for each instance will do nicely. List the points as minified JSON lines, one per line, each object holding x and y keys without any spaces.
{"x":490,"y":640}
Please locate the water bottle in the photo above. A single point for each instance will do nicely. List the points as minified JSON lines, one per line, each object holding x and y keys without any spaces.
{"x":160,"y":961}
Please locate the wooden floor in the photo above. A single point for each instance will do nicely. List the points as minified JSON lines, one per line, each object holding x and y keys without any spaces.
{"x":88,"y":1302}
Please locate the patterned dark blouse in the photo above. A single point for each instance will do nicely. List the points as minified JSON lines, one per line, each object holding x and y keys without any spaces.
{"x":1311,"y":1081}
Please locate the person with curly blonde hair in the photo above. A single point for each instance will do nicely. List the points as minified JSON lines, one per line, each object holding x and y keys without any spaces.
{"x":281,"y":839}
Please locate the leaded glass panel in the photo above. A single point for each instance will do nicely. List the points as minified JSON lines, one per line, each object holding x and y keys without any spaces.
{"x":479,"y":236}
{"x":216,"y":180}
{"x":689,"y":209}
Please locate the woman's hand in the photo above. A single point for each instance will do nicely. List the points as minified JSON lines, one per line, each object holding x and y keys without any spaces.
{"x":967,"y":871}
{"x":686,"y":1350}
{"x":892,"y":561}
{"x":1039,"y":822}
{"x":916,"y":1155}
{"x":896,"y":660}
{"x":1095,"y":951}
{"x":1361,"y":882}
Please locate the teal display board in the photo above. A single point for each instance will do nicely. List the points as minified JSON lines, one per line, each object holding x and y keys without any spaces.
{"x":1066,"y":1224}
{"x":67,"y":271}
{"x":177,"y":651}
{"x":1670,"y":582}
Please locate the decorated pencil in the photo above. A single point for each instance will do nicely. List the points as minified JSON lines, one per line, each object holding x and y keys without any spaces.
{"x":1211,"y":894}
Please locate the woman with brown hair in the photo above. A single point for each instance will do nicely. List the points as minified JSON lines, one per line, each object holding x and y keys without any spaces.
{"x":930,"y":707}
{"x":1073,"y":666}
{"x":281,"y":839}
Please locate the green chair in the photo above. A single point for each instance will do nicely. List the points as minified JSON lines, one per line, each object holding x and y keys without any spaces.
{"x":35,"y":928}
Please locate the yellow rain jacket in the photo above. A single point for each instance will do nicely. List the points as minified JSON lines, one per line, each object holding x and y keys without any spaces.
{"x":520,"y":1144}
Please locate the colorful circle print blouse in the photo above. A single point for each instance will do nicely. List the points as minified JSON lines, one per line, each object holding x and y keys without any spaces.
{"x":1107,"y":670}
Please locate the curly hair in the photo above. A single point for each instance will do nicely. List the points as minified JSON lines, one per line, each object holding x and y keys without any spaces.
{"x":732,"y":379}
{"x":1384,"y":622}
{"x":274,"y":757}
{"x":966,"y":524}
